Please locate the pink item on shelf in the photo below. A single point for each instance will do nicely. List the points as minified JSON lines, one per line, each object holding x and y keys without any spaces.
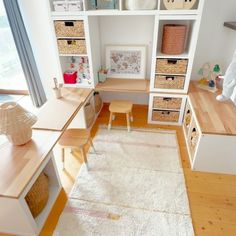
{"x":70,"y":77}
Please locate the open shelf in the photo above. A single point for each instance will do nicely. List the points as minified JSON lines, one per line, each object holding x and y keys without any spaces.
{"x":185,"y":55}
{"x":124,"y":85}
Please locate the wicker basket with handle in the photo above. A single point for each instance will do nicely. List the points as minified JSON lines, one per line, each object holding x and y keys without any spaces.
{"x":72,"y":46}
{"x":69,"y":28}
{"x":89,"y":114}
{"x":171,"y":66}
{"x":173,"y":40}
{"x":179,"y":4}
{"x":37,"y":197}
{"x":169,"y":82}
{"x":97,"y":102}
{"x":167,"y":103}
{"x":165,"y":116}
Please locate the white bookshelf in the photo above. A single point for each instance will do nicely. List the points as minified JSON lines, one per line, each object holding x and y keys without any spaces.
{"x":140,"y":27}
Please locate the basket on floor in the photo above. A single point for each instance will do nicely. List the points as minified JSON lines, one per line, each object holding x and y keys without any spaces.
{"x":37,"y":197}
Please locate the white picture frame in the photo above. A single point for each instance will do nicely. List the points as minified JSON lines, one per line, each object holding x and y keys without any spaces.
{"x":126,"y":62}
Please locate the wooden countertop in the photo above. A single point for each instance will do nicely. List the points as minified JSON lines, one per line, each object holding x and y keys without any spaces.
{"x":56,"y":114}
{"x":18,"y":164}
{"x":214,"y":117}
{"x":124,"y":85}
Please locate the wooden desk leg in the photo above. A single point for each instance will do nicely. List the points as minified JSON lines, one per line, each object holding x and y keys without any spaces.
{"x":131,"y":116}
{"x":128,"y":121}
{"x":84,"y":157}
{"x":91,"y":143}
{"x":63,"y":157}
{"x":110,"y":120}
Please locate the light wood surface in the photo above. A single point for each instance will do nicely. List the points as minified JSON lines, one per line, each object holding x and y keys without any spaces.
{"x":18,"y":164}
{"x":120,"y":106}
{"x":124,"y":85}
{"x":214,"y":117}
{"x":56,"y":114}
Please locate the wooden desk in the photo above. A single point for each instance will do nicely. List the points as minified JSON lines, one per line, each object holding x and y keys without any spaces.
{"x":124,"y":85}
{"x":20,"y":166}
{"x":56,"y":114}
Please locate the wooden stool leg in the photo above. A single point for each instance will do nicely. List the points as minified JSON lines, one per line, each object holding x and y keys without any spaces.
{"x":63,"y":157}
{"x":84,"y":157}
{"x":110,"y":120}
{"x":91,"y":143}
{"x":113,"y":116}
{"x":128,"y":121}
{"x":131,"y":116}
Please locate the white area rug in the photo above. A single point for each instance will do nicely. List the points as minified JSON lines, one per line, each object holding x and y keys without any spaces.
{"x":135,"y":186}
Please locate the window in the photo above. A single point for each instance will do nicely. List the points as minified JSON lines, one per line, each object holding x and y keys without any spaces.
{"x":11,"y":74}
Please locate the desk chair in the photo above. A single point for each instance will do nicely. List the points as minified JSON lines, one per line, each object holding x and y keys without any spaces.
{"x":124,"y":107}
{"x":75,"y":139}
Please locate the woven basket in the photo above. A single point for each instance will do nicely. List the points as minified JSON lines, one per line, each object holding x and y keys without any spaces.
{"x":173,"y":40}
{"x":97,"y":102}
{"x":165,"y":116}
{"x":74,"y":46}
{"x":169,"y":82}
{"x":171,"y":66}
{"x":37,"y":197}
{"x":89,"y":114}
{"x":69,"y":28}
{"x":179,"y":4}
{"x":167,"y":103}
{"x":193,"y":138}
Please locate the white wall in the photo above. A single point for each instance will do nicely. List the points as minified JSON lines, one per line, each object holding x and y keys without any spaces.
{"x":216,"y":43}
{"x":37,"y":20}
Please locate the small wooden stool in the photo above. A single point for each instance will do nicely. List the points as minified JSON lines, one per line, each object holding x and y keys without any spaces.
{"x":121,"y":107}
{"x":75,"y":139}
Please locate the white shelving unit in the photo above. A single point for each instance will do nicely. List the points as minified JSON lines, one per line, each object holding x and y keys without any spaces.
{"x":140,"y":27}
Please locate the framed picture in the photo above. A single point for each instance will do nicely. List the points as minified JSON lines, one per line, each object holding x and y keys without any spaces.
{"x":126,"y":61}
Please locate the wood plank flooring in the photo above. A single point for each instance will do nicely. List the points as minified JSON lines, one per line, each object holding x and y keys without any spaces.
{"x":212,"y":197}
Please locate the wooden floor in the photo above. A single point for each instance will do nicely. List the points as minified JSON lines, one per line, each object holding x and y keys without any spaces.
{"x":212,"y":197}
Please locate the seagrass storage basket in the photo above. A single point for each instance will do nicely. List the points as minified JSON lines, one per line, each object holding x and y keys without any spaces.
{"x":37,"y":197}
{"x":72,"y":46}
{"x":167,"y":103}
{"x":179,"y":4}
{"x":69,"y":28}
{"x":173,"y":40}
{"x":97,"y":102}
{"x":165,"y":116}
{"x":89,"y":114}
{"x":169,"y":82}
{"x":171,"y":66}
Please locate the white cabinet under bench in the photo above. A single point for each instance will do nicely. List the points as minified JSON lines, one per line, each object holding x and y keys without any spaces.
{"x":210,"y":132}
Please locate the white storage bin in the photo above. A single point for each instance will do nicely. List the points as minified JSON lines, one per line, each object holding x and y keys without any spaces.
{"x":60,"y":5}
{"x":75,"y":5}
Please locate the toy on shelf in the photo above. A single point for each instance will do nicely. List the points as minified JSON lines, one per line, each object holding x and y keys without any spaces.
{"x":103,"y":4}
{"x":209,"y":76}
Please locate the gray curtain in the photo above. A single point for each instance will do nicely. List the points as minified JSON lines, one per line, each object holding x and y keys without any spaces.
{"x":25,"y":52}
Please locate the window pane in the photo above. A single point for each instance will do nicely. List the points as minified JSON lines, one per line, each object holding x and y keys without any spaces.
{"x":11,"y":74}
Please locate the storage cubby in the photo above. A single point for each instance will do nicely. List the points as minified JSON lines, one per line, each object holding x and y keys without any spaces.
{"x":178,"y":5}
{"x":102,"y":5}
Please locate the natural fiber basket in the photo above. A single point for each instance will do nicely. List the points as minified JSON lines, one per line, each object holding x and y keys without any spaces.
{"x":89,"y":114}
{"x":173,"y":40}
{"x":69,"y":28}
{"x":169,"y":82}
{"x":37,"y":197}
{"x":167,"y":103}
{"x":171,"y":66}
{"x":97,"y":102}
{"x":73,"y":46}
{"x":179,"y":4}
{"x":165,"y":116}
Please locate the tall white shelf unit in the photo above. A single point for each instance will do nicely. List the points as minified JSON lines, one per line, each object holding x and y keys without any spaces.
{"x":143,"y":27}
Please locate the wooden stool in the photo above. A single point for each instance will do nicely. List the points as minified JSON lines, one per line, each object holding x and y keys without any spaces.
{"x":121,"y":107}
{"x":75,"y":139}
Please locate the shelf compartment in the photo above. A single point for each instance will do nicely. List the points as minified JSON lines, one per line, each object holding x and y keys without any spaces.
{"x":69,"y":28}
{"x":177,"y":5}
{"x":166,"y":103}
{"x":169,"y":82}
{"x":187,"y":118}
{"x":171,"y":66}
{"x":165,"y":116}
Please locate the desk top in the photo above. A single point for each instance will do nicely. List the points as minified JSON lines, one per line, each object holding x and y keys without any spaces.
{"x":56,"y":114}
{"x":214,"y":117}
{"x":18,"y":164}
{"x":124,"y":85}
